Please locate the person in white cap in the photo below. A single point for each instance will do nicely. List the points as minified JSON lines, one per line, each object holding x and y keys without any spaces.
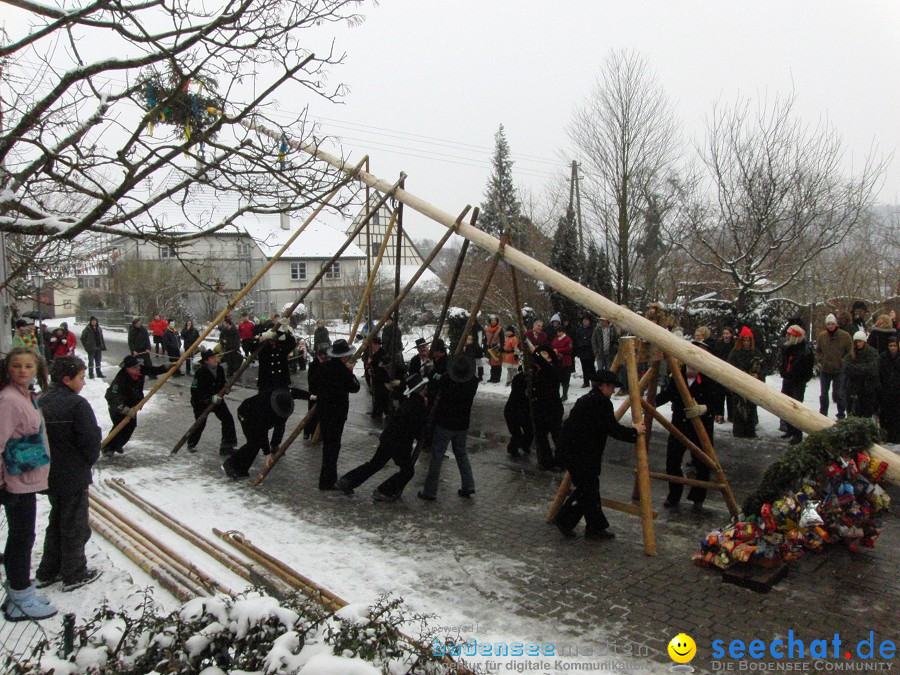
{"x":832,"y":346}
{"x":861,"y":373}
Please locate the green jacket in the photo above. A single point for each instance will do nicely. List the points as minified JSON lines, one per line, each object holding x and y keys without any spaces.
{"x":831,"y":348}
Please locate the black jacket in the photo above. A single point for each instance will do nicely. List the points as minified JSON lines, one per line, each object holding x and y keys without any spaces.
{"x":405,"y":426}
{"x":257,"y":412}
{"x":189,"y":336}
{"x":517,"y":404}
{"x":138,"y":339}
{"x":704,"y":391}
{"x":583,"y":436}
{"x":797,"y":362}
{"x":273,"y":361}
{"x":454,"y":407}
{"x":92,"y":339}
{"x":124,"y":390}
{"x":74,"y":439}
{"x":582,"y":340}
{"x":171,"y":341}
{"x":334,"y":384}
{"x":889,"y":375}
{"x":206,"y":384}
{"x":230,"y":338}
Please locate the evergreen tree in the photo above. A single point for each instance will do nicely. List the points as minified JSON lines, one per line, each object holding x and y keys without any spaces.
{"x":501,"y":207}
{"x":597,"y":275}
{"x":566,"y":259}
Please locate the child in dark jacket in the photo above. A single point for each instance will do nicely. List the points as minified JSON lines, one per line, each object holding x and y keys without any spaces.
{"x":208,"y":382}
{"x":74,"y":438}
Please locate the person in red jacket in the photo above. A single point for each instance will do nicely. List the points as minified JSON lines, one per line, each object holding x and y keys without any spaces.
{"x":246,"y":329}
{"x":62,"y":342}
{"x":157,"y":328}
{"x":564,"y":347}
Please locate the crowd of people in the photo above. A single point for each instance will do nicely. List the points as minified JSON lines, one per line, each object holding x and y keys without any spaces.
{"x":426,"y":403}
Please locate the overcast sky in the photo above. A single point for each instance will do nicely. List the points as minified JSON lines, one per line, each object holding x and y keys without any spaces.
{"x":430,"y":82}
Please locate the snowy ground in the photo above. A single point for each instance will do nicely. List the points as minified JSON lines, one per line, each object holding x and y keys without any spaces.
{"x":350,"y":561}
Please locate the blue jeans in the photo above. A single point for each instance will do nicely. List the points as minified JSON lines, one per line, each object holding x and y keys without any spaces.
{"x":439,"y":441}
{"x":837,"y":393}
{"x":94,"y":360}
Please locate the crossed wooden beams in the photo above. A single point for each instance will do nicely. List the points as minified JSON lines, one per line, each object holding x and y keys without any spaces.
{"x":638,"y":404}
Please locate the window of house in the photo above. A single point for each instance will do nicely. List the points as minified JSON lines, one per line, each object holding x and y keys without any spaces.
{"x":80,"y":282}
{"x":167,"y":252}
{"x":243,"y":249}
{"x":376,"y":246}
{"x":334,"y":272}
{"x":298,"y":271}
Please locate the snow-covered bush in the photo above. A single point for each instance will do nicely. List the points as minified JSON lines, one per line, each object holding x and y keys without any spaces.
{"x":252,"y":633}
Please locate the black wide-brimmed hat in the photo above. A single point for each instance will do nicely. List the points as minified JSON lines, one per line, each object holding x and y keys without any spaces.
{"x":340,"y":348}
{"x":439,"y":345}
{"x":604,"y":377}
{"x":282,"y":402}
{"x":207,"y":354}
{"x":421,"y":342}
{"x":461,"y":368}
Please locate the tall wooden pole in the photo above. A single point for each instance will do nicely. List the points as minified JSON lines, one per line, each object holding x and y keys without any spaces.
{"x":724,"y":373}
{"x":370,"y":281}
{"x":640,"y":447}
{"x":448,"y":296}
{"x":230,"y":306}
{"x":485,"y":285}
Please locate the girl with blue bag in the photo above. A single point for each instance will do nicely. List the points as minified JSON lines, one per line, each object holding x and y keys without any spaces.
{"x":24,"y":469}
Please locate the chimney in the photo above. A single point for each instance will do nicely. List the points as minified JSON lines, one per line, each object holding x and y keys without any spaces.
{"x":285,"y":216}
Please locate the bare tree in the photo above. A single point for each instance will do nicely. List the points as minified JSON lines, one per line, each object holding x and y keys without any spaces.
{"x":99,"y":101}
{"x":628,"y":136}
{"x":774,"y":196}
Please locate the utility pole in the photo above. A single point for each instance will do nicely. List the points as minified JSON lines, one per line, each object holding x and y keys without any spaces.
{"x":575,"y":204}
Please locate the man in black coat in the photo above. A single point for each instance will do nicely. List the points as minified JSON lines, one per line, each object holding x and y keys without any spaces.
{"x":396,"y":442}
{"x":421,"y":359}
{"x":581,"y":445}
{"x":257,"y":415}
{"x":548,"y":407}
{"x":208,"y":382}
{"x":94,"y":344}
{"x":703,"y":390}
{"x":517,"y":414}
{"x":278,"y":343}
{"x":139,"y":344}
{"x":320,"y":357}
{"x":380,"y":363}
{"x":230,"y":339}
{"x":334,"y":381}
{"x":124,"y":392}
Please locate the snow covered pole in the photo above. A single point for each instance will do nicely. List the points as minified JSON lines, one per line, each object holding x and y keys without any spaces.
{"x":733,"y":378}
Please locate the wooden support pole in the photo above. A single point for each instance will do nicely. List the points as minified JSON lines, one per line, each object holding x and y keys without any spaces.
{"x":749,"y":387}
{"x":677,"y":433}
{"x":312,"y":284}
{"x":485,"y":285}
{"x":705,"y":442}
{"x":643,"y":466}
{"x":686,"y":481}
{"x":230,"y":306}
{"x":448,"y":296}
{"x":370,"y":281}
{"x":528,"y":365}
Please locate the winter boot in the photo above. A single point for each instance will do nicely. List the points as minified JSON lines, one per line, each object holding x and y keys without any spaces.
{"x":99,"y":374}
{"x":24,"y":606}
{"x":91,"y":374}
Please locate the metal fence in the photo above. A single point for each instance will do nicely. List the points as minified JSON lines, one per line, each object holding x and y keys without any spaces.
{"x":114,"y":318}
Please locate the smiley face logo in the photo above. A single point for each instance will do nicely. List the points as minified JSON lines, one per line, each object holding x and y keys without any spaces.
{"x":682,"y":648}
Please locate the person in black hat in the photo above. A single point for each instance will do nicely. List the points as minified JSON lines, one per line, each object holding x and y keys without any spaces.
{"x":320,"y":357}
{"x":124,"y":392}
{"x":380,"y":365}
{"x":139,"y":343}
{"x":435,"y":369}
{"x":581,"y":444}
{"x":396,"y":442}
{"x":208,"y":382}
{"x":451,"y":415}
{"x":517,"y":413}
{"x":421,"y":359}
{"x":257,"y":415}
{"x":278,"y":343}
{"x":334,"y":381}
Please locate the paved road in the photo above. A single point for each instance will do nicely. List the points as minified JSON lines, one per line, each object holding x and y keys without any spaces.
{"x":642,"y":602}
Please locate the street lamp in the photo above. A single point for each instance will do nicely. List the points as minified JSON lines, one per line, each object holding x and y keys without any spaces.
{"x":37,"y":280}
